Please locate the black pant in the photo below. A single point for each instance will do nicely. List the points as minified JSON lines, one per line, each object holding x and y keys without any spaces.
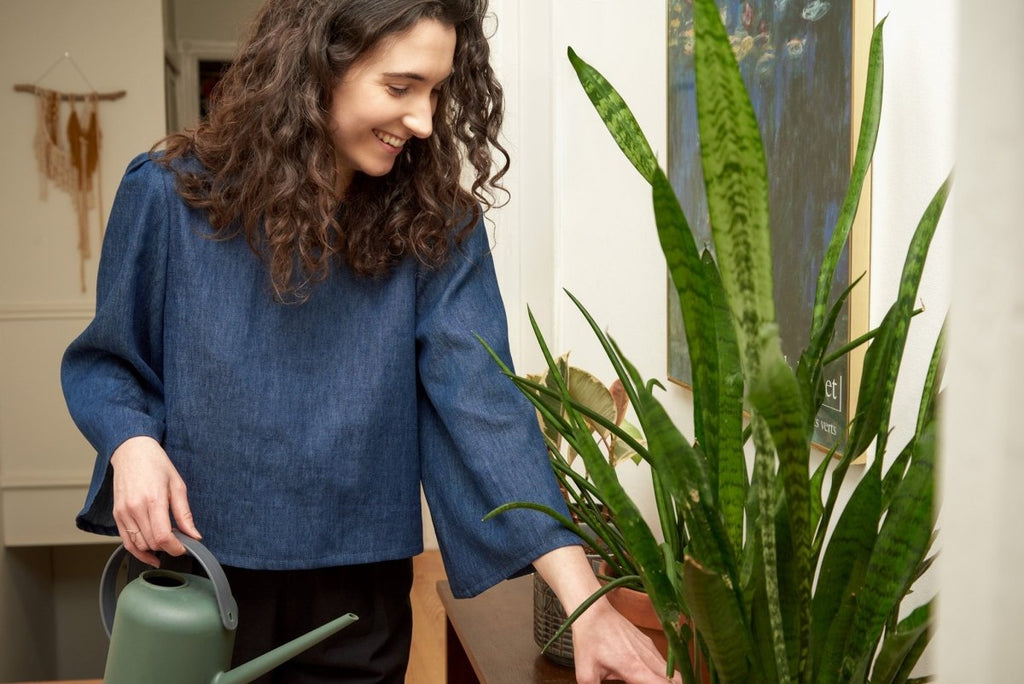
{"x":275,"y":606}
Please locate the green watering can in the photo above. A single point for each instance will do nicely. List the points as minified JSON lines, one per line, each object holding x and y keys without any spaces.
{"x":177,"y":628}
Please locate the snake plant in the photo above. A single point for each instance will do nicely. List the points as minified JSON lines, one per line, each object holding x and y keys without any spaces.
{"x":777,"y":582}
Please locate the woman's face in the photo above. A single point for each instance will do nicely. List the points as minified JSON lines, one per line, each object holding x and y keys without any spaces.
{"x":389,"y":96}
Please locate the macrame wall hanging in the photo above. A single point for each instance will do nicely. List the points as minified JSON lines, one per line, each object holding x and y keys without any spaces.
{"x":67,"y":146}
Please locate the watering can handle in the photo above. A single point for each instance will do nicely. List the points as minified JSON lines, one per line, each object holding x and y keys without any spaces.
{"x":225,"y":601}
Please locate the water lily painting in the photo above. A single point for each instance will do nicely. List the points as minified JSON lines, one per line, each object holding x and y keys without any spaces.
{"x":799,"y":60}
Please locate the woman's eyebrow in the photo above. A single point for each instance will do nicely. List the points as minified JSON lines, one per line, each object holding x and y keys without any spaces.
{"x":411,"y":76}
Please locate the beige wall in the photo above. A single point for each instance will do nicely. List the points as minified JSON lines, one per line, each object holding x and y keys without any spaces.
{"x":48,"y":626}
{"x":982,"y":609}
{"x":217,"y":21}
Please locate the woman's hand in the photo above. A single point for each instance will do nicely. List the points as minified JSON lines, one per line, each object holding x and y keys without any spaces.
{"x":605,"y":644}
{"x":147,"y":490}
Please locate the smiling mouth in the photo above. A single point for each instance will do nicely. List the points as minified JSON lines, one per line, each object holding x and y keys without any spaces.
{"x":388,"y":139}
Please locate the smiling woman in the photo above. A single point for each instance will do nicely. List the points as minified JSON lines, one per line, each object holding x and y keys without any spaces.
{"x":284,"y":349}
{"x":283,"y":192}
{"x":388,"y":97}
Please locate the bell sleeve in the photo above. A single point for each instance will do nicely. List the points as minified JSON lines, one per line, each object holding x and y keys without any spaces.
{"x":480,"y":444}
{"x":111,"y":374}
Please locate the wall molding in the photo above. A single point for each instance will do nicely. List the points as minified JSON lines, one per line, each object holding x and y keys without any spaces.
{"x":46,"y":311}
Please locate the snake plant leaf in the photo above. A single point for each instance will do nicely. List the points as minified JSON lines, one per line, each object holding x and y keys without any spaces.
{"x":714,"y":352}
{"x":639,"y":539}
{"x":726,"y":457}
{"x":881,"y":366}
{"x":767,"y":499}
{"x":901,"y":648}
{"x":816,"y":484}
{"x":777,"y":397}
{"x":812,"y":363}
{"x":842,"y":570}
{"x":897,"y":471}
{"x":866,"y":138}
{"x":932,"y":383}
{"x":736,"y":180}
{"x":712,"y":609}
{"x":550,"y":431}
{"x":903,"y":540}
{"x":686,"y":476}
{"x":760,"y":623}
{"x":616,"y":116}
{"x":685,"y":268}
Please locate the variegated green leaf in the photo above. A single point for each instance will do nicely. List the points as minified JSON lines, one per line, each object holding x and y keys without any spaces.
{"x":901,"y":648}
{"x":902,"y":543}
{"x":617,"y":117}
{"x":736,"y":179}
{"x":870,"y":117}
{"x":777,"y":397}
{"x":881,"y":369}
{"x":843,"y":565}
{"x":712,"y":608}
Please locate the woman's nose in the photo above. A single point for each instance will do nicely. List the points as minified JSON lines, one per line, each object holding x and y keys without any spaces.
{"x":420,"y":117}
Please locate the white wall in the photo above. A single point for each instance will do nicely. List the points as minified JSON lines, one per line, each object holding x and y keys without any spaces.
{"x":982,"y":610}
{"x":44,"y":463}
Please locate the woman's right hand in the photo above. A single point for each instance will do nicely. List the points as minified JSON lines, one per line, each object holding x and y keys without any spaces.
{"x":147,"y":491}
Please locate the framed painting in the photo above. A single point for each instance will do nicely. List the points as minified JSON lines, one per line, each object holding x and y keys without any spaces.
{"x":804,"y":63}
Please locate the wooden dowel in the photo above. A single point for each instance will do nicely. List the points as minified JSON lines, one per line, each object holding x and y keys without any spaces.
{"x":29,"y":88}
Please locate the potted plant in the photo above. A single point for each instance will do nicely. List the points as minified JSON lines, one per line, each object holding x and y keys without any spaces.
{"x":778,"y":582}
{"x":587,"y":514}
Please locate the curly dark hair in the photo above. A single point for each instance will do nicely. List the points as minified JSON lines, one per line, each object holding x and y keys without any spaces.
{"x":267,"y":164}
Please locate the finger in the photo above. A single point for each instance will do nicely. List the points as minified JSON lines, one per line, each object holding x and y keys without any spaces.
{"x":132,"y":540}
{"x":159,"y":535}
{"x":182,"y":513}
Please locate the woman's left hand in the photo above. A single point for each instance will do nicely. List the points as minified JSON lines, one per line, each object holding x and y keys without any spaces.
{"x":605,"y":644}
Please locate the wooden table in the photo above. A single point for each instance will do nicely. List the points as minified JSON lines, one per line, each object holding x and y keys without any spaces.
{"x":489,"y":639}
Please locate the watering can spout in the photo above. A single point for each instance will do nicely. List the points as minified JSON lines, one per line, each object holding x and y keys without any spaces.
{"x":265,"y":663}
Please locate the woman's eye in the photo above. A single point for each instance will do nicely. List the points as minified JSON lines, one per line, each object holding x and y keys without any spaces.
{"x":397,"y":91}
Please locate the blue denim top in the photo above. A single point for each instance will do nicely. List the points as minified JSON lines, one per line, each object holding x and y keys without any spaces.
{"x":304,"y":431}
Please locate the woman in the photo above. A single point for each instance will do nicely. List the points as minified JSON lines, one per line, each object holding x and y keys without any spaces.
{"x":286,"y":316}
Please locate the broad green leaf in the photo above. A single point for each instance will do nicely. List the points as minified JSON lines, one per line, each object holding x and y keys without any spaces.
{"x":621,"y":449}
{"x":587,"y":389}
